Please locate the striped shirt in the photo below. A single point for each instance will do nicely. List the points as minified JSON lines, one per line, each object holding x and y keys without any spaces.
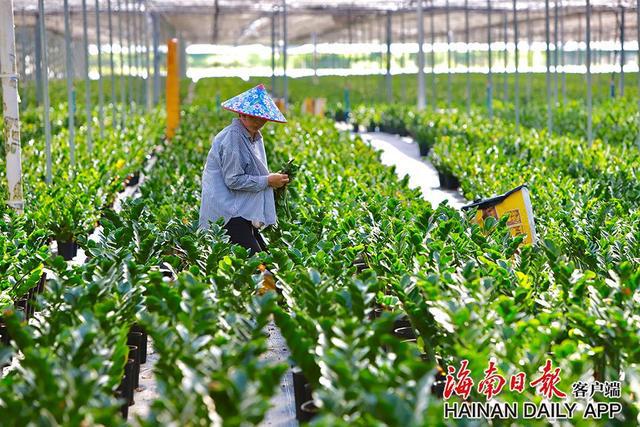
{"x":235,"y":179}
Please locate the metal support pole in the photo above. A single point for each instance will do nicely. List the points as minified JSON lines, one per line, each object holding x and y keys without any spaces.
{"x":555,"y":53}
{"x":314,"y":41}
{"x":529,"y":54}
{"x":421,"y":89}
{"x":403,"y":80}
{"x":71,"y":96}
{"x":505,"y":58}
{"x":548,"y":73}
{"x":622,"y":56}
{"x":448,"y":23}
{"x":434,"y":97}
{"x":100,"y":82}
{"x":562,"y":60}
{"x":273,"y":52}
{"x":130,"y":57}
{"x":136,"y":54}
{"x":388,"y":76}
{"x":45,"y":87}
{"x":156,"y":58}
{"x":38,"y":60}
{"x":111,"y":65}
{"x":467,"y":55}
{"x":183,"y":55}
{"x":489,"y":76}
{"x":87,"y":82}
{"x":588,"y":41}
{"x":147,"y":57}
{"x":285,"y":94}
{"x":23,"y":64}
{"x":638,"y":40}
{"x":10,"y":106}
{"x":516,"y":84}
{"x":123,"y":89}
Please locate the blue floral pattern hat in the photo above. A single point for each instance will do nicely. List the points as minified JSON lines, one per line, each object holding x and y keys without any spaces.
{"x":255,"y":102}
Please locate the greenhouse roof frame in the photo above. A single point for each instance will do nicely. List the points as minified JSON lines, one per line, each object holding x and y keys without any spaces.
{"x":237,"y":22}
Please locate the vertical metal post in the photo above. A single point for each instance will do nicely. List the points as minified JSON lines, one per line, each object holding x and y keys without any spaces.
{"x":403,"y":41}
{"x":516,"y":84}
{"x":87,"y":82}
{"x":638,"y":40}
{"x":622,"y":56}
{"x":123,"y":89}
{"x":273,"y":51}
{"x":100,"y":82}
{"x":156,"y":57}
{"x":529,"y":54}
{"x":45,"y":87}
{"x":38,"y":60}
{"x":130,"y":57}
{"x":490,"y":75}
{"x":111,"y":65}
{"x":136,"y":53}
{"x":388,"y":76}
{"x":467,"y":55}
{"x":562,"y":59}
{"x":421,"y":89}
{"x":314,"y":41}
{"x":285,"y":94}
{"x":434,"y":97}
{"x":505,"y":58}
{"x":71,"y":98}
{"x":183,"y":55}
{"x":589,"y":123}
{"x":23,"y":64}
{"x":548,"y":58}
{"x":555,"y":53}
{"x":147,"y":56}
{"x":10,"y":106}
{"x":448,"y":24}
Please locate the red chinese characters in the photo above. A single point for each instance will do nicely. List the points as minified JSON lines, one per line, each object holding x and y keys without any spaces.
{"x":546,"y":384}
{"x":517,"y":382}
{"x":461,"y":384}
{"x":492,"y":383}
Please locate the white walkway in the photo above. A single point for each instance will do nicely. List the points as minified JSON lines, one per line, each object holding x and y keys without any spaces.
{"x":283,"y":407}
{"x":403,"y":153}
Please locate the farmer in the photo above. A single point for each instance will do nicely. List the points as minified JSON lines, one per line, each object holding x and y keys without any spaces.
{"x":236,"y":183}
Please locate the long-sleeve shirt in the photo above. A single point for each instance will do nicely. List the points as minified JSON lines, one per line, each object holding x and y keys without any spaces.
{"x":235,"y":179}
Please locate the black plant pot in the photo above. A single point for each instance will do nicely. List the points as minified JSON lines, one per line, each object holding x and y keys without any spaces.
{"x":405,"y":333}
{"x":135,"y":178}
{"x":67,"y":250}
{"x":437,"y":388}
{"x":23,"y":305}
{"x":42,"y":283}
{"x":424,"y":148}
{"x":134,"y":354}
{"x":371,"y":127}
{"x":121,"y":394}
{"x":356,"y":127}
{"x":308,"y":410}
{"x":127,"y":382}
{"x":145,"y":340}
{"x":448,"y":181}
{"x":139,"y":340}
{"x":4,"y":341}
{"x":301,"y":391}
{"x":402,"y":322}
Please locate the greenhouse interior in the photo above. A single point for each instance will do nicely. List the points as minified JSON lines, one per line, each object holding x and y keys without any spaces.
{"x":333,"y":212}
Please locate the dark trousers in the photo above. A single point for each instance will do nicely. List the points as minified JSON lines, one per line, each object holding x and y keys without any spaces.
{"x":243,"y":233}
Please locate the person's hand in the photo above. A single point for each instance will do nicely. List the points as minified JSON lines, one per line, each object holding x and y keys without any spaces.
{"x":277,"y":180}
